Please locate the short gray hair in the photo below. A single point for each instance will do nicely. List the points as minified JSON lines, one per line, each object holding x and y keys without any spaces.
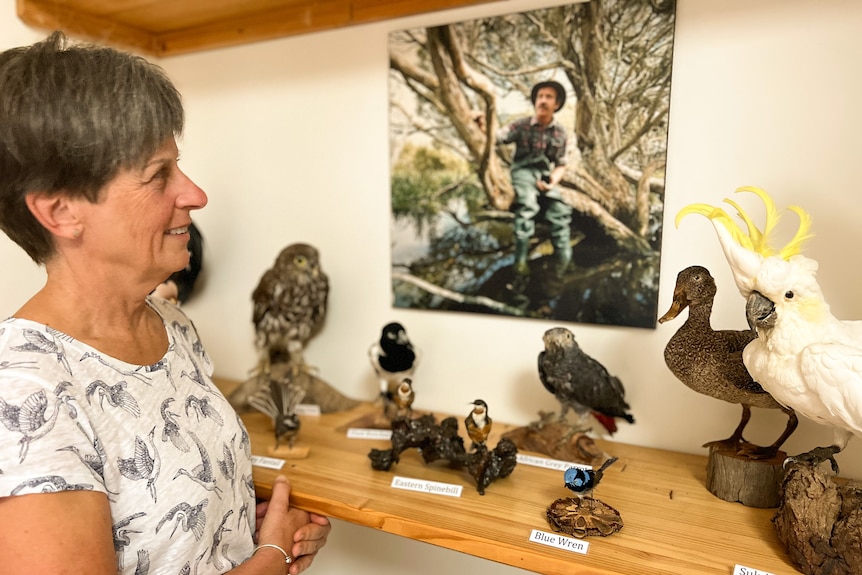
{"x":71,"y":116}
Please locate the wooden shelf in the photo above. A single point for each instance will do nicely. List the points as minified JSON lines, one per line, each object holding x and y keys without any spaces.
{"x":169,"y":27}
{"x":672,"y":524}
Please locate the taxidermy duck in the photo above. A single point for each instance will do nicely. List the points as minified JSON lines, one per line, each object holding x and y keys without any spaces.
{"x":710,"y":361}
{"x":804,"y":356}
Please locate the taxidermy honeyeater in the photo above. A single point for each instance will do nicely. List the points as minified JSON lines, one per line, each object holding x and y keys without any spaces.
{"x":582,"y":481}
{"x":807,"y":359}
{"x":279,"y":401}
{"x":579,"y":382}
{"x":393,"y":358}
{"x":289,"y":306}
{"x":710,"y":361}
{"x":478,"y":423}
{"x":403,"y":398}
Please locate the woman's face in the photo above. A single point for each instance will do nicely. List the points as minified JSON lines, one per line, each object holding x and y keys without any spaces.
{"x":139,"y":226}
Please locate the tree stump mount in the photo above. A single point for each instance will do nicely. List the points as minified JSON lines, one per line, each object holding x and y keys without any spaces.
{"x":819,"y":521}
{"x":740,"y":479}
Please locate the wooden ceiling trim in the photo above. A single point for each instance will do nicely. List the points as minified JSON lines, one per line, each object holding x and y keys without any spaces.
{"x":110,"y":22}
{"x":299,"y":17}
{"x":51,"y":16}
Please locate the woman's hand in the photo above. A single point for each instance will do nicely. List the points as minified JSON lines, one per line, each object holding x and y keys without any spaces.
{"x":301,"y":533}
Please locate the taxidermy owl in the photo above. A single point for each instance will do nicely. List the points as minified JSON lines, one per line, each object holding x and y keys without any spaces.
{"x":289,"y":306}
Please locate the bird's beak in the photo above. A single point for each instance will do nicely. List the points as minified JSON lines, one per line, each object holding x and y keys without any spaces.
{"x":759,"y":311}
{"x":679,"y":303}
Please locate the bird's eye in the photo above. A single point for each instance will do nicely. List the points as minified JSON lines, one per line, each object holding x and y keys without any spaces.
{"x":788,"y":295}
{"x":299,"y":260}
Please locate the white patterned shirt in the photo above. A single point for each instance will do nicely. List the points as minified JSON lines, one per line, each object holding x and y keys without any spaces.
{"x":161,"y":441}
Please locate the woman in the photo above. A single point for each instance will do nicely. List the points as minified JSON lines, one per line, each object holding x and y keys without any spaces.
{"x":117,"y":452}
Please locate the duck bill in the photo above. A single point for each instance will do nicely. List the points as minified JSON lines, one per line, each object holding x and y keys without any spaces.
{"x":678,"y":304}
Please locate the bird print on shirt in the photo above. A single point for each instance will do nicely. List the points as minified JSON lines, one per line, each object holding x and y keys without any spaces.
{"x":197,"y":378}
{"x":227,"y":466}
{"x":202,"y":407}
{"x":171,"y":430}
{"x":95,"y":462}
{"x":244,"y":440}
{"x":143,"y":464}
{"x":18,"y":364}
{"x":31,"y":419}
{"x":143,"y":566}
{"x":116,"y":396}
{"x":38,"y":343}
{"x":121,"y":536}
{"x":123,"y":372}
{"x":243,"y":518}
{"x":190,"y":517}
{"x":201,"y":474}
{"x":217,"y":552}
{"x":161,"y":365}
{"x":49,"y":484}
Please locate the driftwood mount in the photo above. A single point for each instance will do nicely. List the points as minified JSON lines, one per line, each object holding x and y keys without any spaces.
{"x":819,"y":521}
{"x":442,"y":442}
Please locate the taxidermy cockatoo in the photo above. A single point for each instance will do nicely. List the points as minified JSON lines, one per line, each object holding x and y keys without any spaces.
{"x":803,"y":356}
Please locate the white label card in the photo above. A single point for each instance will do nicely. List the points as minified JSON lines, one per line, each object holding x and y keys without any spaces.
{"x":362,"y":433}
{"x":740,"y":570}
{"x":559,"y":541}
{"x":268,"y":462}
{"x":557,"y":464}
{"x":309,"y":409}
{"x":424,"y":486}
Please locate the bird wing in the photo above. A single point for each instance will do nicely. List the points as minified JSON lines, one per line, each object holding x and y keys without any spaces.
{"x":262,"y":297}
{"x":597,"y":388}
{"x":374,"y":353}
{"x":833,"y":373}
{"x":543,"y":374}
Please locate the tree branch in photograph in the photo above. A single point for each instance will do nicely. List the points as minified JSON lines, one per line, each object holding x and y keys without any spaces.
{"x":436,"y":290}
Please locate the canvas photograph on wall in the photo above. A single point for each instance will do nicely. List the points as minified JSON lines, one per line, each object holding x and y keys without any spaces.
{"x":527,"y":162}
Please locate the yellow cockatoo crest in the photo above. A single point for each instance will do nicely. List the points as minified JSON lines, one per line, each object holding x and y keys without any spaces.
{"x":754,"y":239}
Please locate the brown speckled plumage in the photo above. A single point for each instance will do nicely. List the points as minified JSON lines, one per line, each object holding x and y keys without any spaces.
{"x":710,"y":361}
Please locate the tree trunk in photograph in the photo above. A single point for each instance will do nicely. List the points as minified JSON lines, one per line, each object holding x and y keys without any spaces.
{"x":736,"y":478}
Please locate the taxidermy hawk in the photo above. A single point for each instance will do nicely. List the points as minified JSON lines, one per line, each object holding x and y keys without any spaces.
{"x":289,"y":306}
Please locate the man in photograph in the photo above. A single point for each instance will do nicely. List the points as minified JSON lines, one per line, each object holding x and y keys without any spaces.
{"x":537,"y":168}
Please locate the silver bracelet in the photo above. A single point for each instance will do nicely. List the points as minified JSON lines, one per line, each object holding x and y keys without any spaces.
{"x":287,"y":558}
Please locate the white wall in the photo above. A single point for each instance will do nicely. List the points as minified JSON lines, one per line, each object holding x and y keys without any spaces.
{"x":289,"y":138}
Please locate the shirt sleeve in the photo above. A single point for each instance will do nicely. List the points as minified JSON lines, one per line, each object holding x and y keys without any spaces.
{"x":44,"y":446}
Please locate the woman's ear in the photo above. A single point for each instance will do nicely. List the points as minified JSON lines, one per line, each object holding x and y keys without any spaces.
{"x":55,"y":212}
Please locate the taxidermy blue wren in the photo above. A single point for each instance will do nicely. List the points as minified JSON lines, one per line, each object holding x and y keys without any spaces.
{"x":582,"y":481}
{"x":279,"y":401}
{"x":579,"y":382}
{"x":394,"y":358}
{"x":478,"y":423}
